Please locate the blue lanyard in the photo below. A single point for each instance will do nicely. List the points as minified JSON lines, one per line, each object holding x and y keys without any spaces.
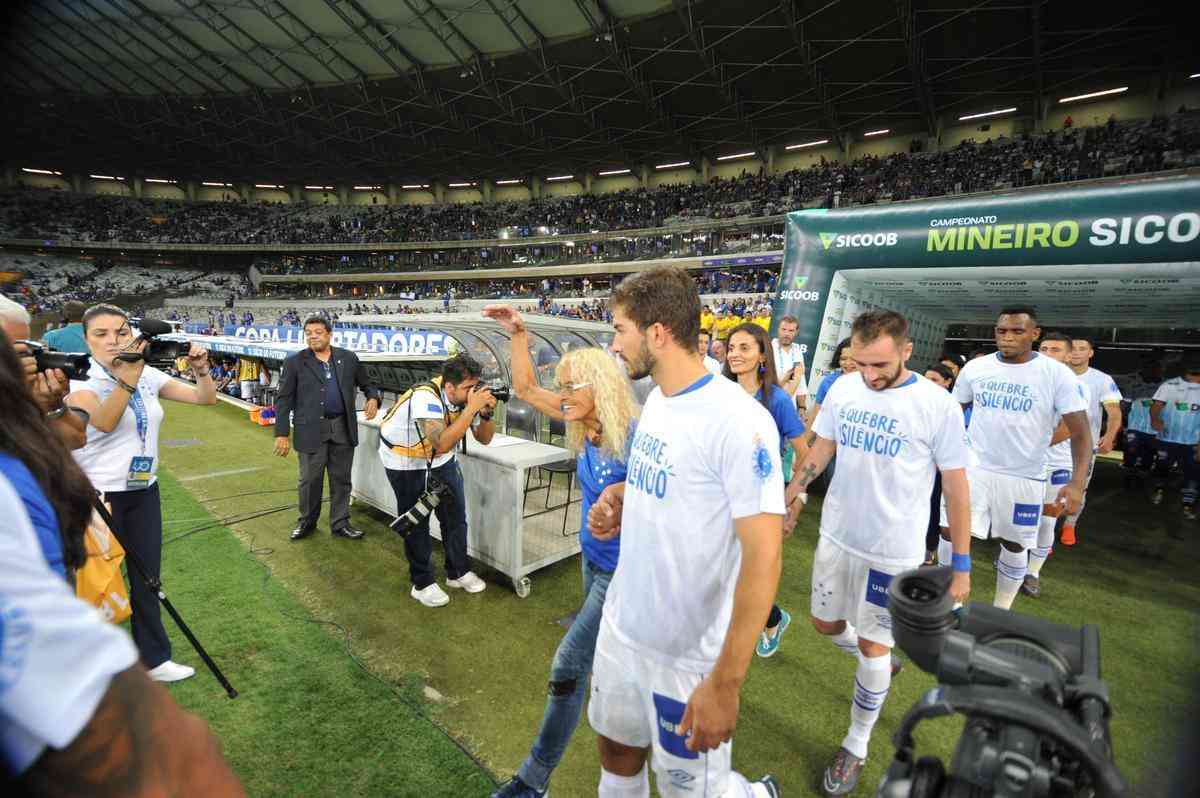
{"x":140,"y":417}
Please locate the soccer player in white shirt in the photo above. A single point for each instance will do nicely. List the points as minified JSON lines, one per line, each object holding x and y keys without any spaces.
{"x":1017,"y":397}
{"x":892,"y":431}
{"x":1057,"y":346}
{"x":699,"y":516}
{"x":1175,"y":415}
{"x":1105,"y":397}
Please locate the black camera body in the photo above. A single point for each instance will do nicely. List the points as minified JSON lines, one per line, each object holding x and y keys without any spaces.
{"x":158,"y":351}
{"x":435,"y":491}
{"x":1037,"y":712}
{"x":75,"y":365}
{"x":501,"y":391}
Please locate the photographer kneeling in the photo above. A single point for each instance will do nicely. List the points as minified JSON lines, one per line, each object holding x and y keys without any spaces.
{"x":418,"y":436}
{"x":121,"y":396}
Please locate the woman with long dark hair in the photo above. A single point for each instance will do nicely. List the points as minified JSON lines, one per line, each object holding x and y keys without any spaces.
{"x":751,"y":364}
{"x":122,"y":398}
{"x":55,"y":491}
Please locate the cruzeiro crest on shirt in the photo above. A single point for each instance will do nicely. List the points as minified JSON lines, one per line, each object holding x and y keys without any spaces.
{"x":762,"y":459}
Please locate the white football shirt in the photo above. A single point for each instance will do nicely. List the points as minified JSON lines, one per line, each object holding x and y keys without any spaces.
{"x":890,"y":444}
{"x":57,"y":655}
{"x":106,"y":456}
{"x":1101,"y":388}
{"x":1059,"y":455}
{"x":1014,"y":410}
{"x":1181,"y":416}
{"x":700,"y":459}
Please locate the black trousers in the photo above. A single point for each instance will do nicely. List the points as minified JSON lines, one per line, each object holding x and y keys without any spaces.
{"x":137,"y":518}
{"x":452,"y":519}
{"x":934,"y":534}
{"x":335,"y":456}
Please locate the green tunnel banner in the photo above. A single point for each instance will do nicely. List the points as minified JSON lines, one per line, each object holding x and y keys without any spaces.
{"x":1149,"y":221}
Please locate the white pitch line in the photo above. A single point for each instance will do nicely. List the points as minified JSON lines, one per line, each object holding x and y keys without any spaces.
{"x":230,"y":472}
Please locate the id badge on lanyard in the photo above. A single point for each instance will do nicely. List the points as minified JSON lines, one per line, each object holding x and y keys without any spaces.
{"x":141,"y":467}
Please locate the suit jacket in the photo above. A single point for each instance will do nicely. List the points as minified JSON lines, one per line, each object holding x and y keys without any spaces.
{"x":302,"y":393}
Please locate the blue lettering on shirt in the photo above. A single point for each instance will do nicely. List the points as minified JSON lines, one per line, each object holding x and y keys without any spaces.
{"x":649,"y":468}
{"x":1002,"y":395}
{"x":1060,"y":476}
{"x":870,"y":432}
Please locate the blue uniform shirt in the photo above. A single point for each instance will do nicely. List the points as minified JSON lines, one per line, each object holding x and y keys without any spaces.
{"x":596,"y":472}
{"x":41,"y":512}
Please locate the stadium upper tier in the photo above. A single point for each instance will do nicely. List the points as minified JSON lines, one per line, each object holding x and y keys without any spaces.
{"x":1118,"y":148}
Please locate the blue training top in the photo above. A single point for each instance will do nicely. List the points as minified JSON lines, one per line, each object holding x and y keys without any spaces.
{"x":596,"y":472}
{"x":41,"y":513}
{"x":783,"y":409}
{"x":825,"y":385}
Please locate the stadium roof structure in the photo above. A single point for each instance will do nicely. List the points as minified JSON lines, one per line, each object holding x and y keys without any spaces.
{"x":412,"y":90}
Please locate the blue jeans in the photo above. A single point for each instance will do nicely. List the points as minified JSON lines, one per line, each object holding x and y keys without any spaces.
{"x":568,"y":680}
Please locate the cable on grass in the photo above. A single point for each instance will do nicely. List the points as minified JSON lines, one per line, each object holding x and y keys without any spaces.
{"x":255,"y":553}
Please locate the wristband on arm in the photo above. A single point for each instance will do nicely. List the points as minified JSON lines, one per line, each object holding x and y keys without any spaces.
{"x":961,"y":563}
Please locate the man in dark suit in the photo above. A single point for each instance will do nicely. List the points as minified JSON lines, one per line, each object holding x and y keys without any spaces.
{"x":317,"y":385}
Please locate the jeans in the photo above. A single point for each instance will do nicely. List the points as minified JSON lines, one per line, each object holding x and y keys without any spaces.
{"x":569,"y":674}
{"x":451,"y":514}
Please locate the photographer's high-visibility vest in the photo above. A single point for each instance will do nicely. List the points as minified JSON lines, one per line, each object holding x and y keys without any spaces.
{"x":423,"y":449}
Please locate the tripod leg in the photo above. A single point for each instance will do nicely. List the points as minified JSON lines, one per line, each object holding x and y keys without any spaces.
{"x":136,"y":566}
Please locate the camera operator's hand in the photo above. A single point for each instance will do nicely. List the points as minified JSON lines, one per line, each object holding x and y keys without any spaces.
{"x":960,"y":586}
{"x":282,"y":446}
{"x":49,"y":388}
{"x":126,"y":371}
{"x":711,"y":715}
{"x":28,"y":363}
{"x":507,"y":317}
{"x":197,"y":358}
{"x":480,"y":399}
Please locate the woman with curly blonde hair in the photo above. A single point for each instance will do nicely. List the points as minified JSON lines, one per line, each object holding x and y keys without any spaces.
{"x":595,"y":399}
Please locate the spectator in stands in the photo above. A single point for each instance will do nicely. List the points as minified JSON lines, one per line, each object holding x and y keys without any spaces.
{"x":68,"y":338}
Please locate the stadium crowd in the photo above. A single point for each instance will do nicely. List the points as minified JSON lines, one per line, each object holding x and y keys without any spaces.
{"x":1120,"y":147}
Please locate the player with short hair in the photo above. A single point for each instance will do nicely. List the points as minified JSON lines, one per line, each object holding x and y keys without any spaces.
{"x":1059,"y":464}
{"x":1175,"y":414}
{"x":1017,"y":397}
{"x":1141,"y":439}
{"x":1104,"y":396}
{"x":892,"y":432}
{"x":699,"y":515}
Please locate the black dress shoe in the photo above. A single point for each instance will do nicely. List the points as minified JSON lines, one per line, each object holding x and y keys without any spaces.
{"x":302,"y":532}
{"x":348,"y":533}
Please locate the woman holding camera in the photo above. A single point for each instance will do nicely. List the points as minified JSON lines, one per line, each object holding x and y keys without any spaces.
{"x":595,"y":399}
{"x":123,"y":397}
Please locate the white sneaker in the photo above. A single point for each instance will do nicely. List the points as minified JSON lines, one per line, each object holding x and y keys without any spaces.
{"x":468,"y":582}
{"x":172,"y":672}
{"x":432,"y":596}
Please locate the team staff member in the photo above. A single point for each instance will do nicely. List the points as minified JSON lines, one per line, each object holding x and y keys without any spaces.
{"x":122,"y":400}
{"x":418,"y":436}
{"x":316,"y":385}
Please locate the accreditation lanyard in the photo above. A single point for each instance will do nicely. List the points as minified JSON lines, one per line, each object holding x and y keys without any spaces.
{"x":141,"y":467}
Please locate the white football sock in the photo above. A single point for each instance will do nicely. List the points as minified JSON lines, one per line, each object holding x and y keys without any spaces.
{"x":847,"y":641}
{"x":614,"y":786}
{"x":871,"y":683}
{"x":945,"y":552}
{"x":1010,"y":573}
{"x":1037,"y":558}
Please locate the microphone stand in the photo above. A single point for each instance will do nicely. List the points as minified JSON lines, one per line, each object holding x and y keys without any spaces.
{"x":155,"y":584}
